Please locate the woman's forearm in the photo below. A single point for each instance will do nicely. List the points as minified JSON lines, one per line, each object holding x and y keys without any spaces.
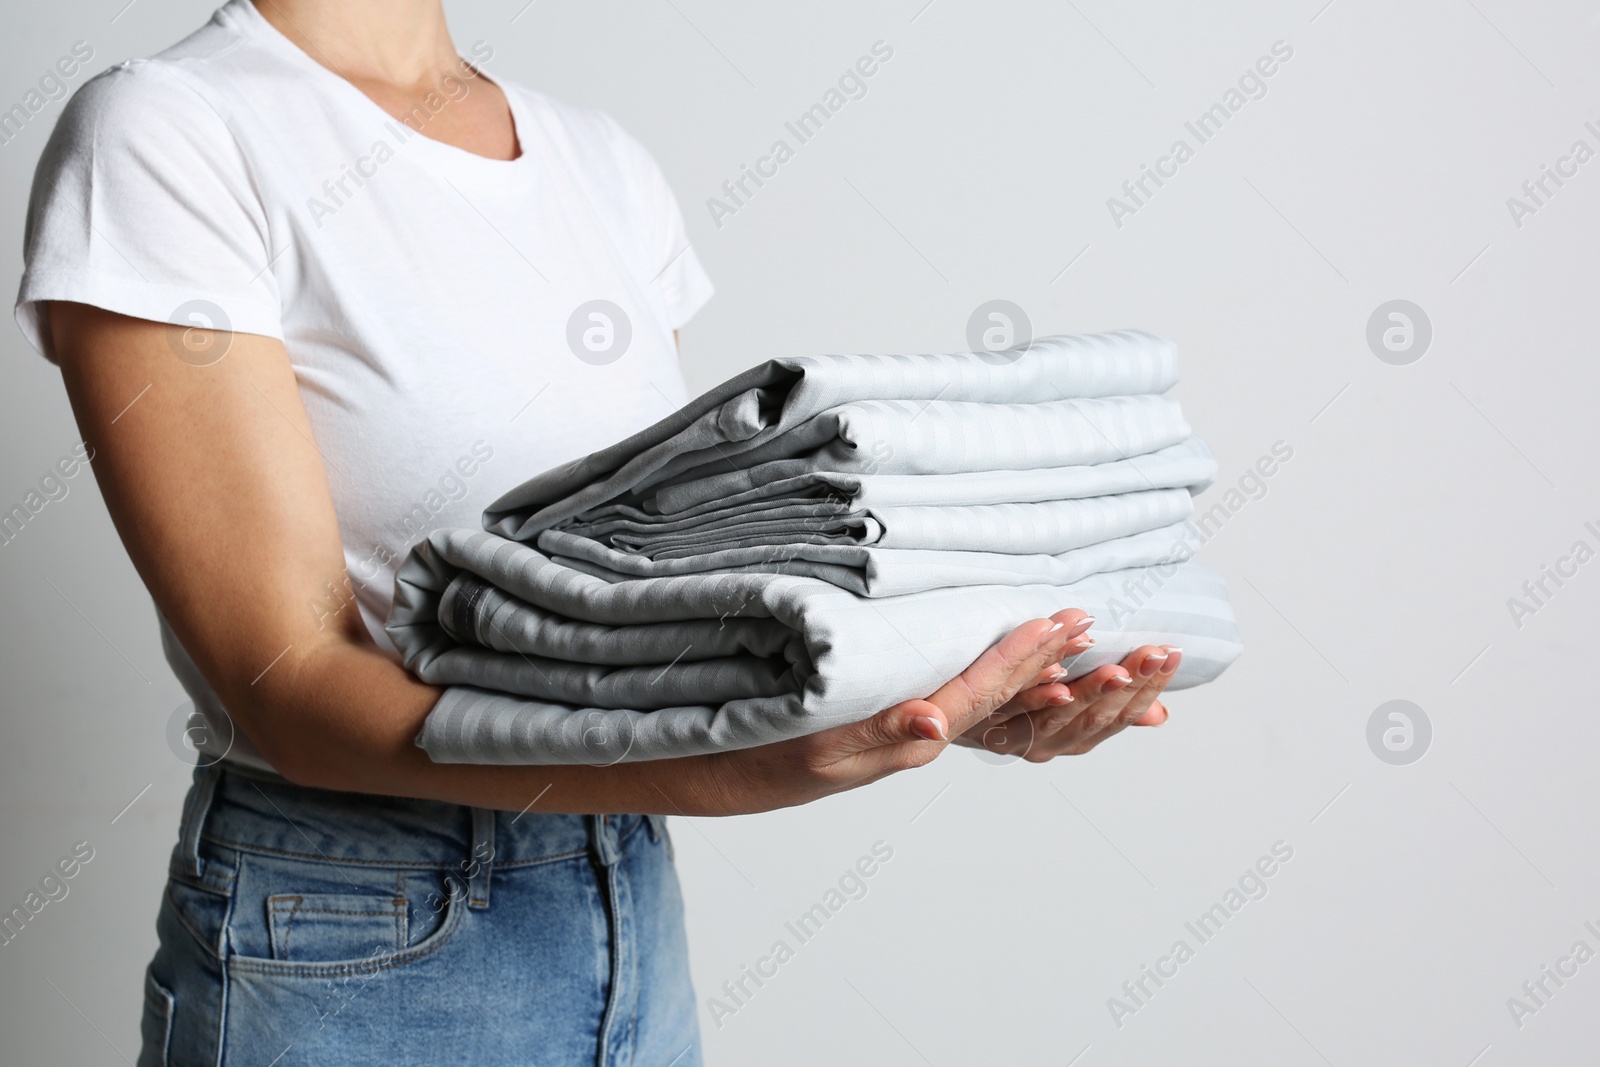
{"x":341,"y":715}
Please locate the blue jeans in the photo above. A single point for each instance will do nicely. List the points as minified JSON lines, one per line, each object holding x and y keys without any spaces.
{"x":306,"y":927}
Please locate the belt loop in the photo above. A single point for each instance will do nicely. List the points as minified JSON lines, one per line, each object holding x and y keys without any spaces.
{"x":196,"y":806}
{"x":603,"y":840}
{"x":481,"y":863}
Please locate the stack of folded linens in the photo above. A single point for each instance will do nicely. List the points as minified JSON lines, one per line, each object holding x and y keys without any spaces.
{"x":811,"y":542}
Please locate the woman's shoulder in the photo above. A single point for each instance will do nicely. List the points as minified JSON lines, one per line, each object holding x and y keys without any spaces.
{"x":139,"y":112}
{"x":143,"y":91}
{"x":135,"y":91}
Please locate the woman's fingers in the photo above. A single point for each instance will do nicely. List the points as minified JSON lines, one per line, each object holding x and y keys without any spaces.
{"x":1154,"y":717}
{"x":1151,"y":687}
{"x":909,"y":722}
{"x":915,"y":731}
{"x":1098,"y":697}
{"x":1037,"y":697}
{"x":994,"y":697}
{"x":984,"y":695}
{"x":1002,"y":671}
{"x":1150,"y":669}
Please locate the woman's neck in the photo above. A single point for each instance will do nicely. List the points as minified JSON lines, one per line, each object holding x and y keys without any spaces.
{"x":399,"y":54}
{"x":395,"y":42}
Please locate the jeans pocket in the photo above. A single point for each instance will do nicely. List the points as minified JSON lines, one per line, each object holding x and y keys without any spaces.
{"x":155,"y":1025}
{"x":329,"y":935}
{"x":335,"y":926}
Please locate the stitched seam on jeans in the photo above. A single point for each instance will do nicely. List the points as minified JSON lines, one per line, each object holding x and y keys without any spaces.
{"x":322,"y":858}
{"x":576,"y":853}
{"x":294,"y":907}
{"x":225,"y":938}
{"x":209,"y":947}
{"x":623,"y":838}
{"x":160,"y":997}
{"x":420,"y":865}
{"x":402,"y":913}
{"x":201,"y":886}
{"x":288,"y":928}
{"x":288,"y":969}
{"x":296,"y":904}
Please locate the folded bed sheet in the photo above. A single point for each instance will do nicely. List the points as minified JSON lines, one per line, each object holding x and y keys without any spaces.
{"x":884,"y":534}
{"x":1188,"y":464}
{"x":1065,"y":401}
{"x":811,"y":542}
{"x":548,"y":664}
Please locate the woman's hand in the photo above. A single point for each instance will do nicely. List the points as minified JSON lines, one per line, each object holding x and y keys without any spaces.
{"x":1051,"y":718}
{"x":908,"y":735}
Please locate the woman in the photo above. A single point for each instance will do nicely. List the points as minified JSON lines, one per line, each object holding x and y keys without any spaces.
{"x":310,"y":277}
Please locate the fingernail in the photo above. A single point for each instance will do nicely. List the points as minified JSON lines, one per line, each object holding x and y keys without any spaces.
{"x":1083,"y":624}
{"x":1116,"y":681}
{"x":1057,"y":672}
{"x":1174,"y":658}
{"x":928,"y":728}
{"x":1051,"y":634}
{"x":1152,"y":664}
{"x":1080,"y":644}
{"x":1064,"y":698}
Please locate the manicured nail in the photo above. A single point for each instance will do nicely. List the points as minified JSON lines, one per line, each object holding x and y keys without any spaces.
{"x":1057,"y":672}
{"x":1064,"y":698}
{"x":1152,"y":664}
{"x":928,"y":728}
{"x":1080,"y":644}
{"x":1083,"y":624}
{"x":1115,"y":682}
{"x":1051,"y":635}
{"x":1174,"y":657}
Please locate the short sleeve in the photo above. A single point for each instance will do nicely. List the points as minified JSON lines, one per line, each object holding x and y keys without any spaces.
{"x":681,"y":279}
{"x":143,"y":204}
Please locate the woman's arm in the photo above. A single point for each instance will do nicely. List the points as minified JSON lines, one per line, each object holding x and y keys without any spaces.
{"x":214,"y":481}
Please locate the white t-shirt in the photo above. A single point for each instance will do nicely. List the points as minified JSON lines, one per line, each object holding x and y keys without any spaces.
{"x":437,"y":306}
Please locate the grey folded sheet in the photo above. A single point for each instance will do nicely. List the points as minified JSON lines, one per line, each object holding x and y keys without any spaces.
{"x":885,"y":534}
{"x":548,"y":664}
{"x":1187,"y":464}
{"x":771,"y":412}
{"x":811,"y":542}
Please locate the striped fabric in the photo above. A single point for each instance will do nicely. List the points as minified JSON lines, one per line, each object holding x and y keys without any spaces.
{"x":811,"y":542}
{"x":742,"y":415}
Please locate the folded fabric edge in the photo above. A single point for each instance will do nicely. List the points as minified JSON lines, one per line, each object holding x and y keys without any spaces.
{"x":514,"y":513}
{"x":470,"y":725}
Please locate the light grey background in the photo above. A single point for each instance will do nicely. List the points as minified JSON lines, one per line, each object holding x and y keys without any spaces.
{"x":1377,"y":566}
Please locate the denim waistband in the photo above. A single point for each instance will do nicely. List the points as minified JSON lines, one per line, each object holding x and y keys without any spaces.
{"x":255,"y":811}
